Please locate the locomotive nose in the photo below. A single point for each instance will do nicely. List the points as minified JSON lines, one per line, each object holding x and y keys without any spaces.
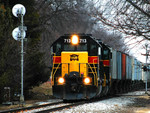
{"x":74,"y":81}
{"x":74,"y":74}
{"x":74,"y":63}
{"x":74,"y":68}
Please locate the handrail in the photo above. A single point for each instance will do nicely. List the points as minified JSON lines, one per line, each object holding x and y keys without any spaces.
{"x":56,"y":69}
{"x":91,"y":69}
{"x":96,"y":83}
{"x":53,"y":68}
{"x":92,"y":72}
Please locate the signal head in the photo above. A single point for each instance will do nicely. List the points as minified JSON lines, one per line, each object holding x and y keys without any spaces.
{"x":18,"y":9}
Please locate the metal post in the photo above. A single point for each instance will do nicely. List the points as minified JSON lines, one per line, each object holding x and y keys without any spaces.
{"x":146,"y":45}
{"x":19,"y":34}
{"x":22,"y":96}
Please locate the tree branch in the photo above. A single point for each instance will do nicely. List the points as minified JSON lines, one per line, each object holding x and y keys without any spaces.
{"x":138,"y":8}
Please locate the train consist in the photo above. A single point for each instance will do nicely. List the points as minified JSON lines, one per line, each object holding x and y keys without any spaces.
{"x":84,"y":67}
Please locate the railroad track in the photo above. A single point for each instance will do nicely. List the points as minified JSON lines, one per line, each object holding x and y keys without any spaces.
{"x":51,"y":107}
{"x":24,"y":109}
{"x":61,"y":107}
{"x":55,"y":106}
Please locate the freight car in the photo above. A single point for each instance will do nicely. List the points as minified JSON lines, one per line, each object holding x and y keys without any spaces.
{"x":84,"y":67}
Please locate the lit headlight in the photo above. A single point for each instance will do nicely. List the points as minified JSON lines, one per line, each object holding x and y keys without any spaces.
{"x":87,"y":80}
{"x":74,"y":39}
{"x":61,"y":80}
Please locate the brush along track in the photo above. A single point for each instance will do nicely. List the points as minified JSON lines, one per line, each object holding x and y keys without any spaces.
{"x":44,"y":108}
{"x":51,"y":107}
{"x":24,"y":109}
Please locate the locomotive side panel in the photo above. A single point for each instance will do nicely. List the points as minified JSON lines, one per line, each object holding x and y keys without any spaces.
{"x":123,"y":66}
{"x":139,"y":72}
{"x":134,"y":69}
{"x":128,"y":67}
{"x":119,"y":66}
{"x":114,"y":64}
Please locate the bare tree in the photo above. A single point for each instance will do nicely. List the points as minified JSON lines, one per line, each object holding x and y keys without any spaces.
{"x":58,"y":17}
{"x":127,"y":16}
{"x":113,"y":39}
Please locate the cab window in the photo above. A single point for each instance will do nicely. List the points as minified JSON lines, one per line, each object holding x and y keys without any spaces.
{"x":57,"y":49}
{"x":93,"y":49}
{"x":106,"y":54}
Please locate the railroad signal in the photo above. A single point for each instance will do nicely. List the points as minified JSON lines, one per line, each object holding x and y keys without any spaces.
{"x":18,"y":10}
{"x":19,"y":34}
{"x":145,"y":68}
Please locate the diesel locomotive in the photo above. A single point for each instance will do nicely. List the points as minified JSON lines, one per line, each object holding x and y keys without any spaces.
{"x":84,"y":67}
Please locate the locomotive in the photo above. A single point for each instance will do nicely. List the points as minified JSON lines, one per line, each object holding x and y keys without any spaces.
{"x":84,"y":68}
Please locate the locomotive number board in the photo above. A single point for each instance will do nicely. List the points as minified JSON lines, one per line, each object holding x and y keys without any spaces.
{"x":80,"y":41}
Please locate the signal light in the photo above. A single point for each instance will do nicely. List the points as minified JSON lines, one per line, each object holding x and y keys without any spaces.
{"x":145,"y":68}
{"x":61,"y":80}
{"x":74,"y":39}
{"x":87,"y":80}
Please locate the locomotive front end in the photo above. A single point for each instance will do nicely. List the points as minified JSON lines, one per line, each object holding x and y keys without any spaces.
{"x":71,"y":73}
{"x":75,"y":69}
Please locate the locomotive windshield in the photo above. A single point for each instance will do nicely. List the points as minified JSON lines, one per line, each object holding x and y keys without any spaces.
{"x":85,"y":44}
{"x":59,"y":47}
{"x":80,"y":47}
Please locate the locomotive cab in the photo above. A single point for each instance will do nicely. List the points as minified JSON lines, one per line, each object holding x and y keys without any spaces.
{"x":76,"y":67}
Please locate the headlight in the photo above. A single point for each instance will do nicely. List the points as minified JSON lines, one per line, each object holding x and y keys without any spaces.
{"x":74,"y":39}
{"x":61,"y":80}
{"x":87,"y":80}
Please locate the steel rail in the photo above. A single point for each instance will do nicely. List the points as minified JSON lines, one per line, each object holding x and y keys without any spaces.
{"x":61,"y":107}
{"x":30,"y":108}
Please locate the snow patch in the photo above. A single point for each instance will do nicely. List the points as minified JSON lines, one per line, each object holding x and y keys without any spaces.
{"x":108,"y":104}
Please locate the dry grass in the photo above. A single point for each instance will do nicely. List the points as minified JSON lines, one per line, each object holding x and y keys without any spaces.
{"x":42,"y":92}
{"x":44,"y":88}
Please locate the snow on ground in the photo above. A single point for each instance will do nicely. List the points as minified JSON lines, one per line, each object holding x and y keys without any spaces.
{"x":135,"y":93}
{"x":112,"y":105}
{"x":108,"y":104}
